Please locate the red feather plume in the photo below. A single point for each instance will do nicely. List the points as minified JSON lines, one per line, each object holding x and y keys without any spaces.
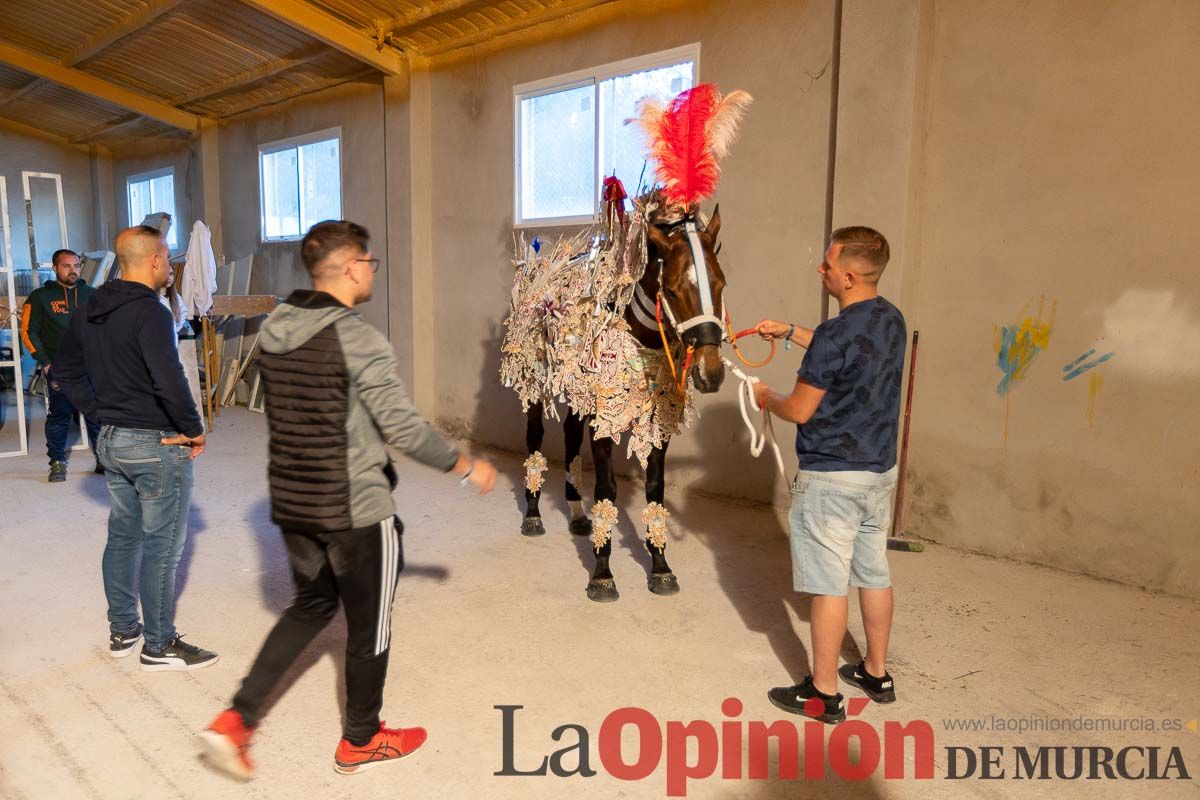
{"x":687,"y":167}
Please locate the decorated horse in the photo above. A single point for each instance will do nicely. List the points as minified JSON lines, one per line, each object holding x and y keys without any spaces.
{"x":617,"y":325}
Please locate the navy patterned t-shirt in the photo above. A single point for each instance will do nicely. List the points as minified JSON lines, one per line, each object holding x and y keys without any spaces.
{"x":858,"y":359}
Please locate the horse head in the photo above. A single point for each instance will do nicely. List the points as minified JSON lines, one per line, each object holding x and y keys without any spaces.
{"x":683,"y":257}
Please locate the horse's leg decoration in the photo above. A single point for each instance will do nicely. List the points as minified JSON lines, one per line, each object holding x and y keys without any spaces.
{"x":602,"y":587}
{"x":573,"y":429}
{"x":662,"y":580}
{"x":532,"y":525}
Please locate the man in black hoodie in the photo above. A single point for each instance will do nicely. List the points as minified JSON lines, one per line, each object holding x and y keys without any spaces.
{"x":119,"y":364}
{"x":44,"y":320}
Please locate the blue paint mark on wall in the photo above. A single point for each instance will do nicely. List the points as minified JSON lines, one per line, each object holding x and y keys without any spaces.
{"x":1082,"y":364}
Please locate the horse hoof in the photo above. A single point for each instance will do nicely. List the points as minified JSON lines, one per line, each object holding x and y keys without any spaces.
{"x":581,"y":526}
{"x":532,"y":526}
{"x":664,"y":584}
{"x":602,"y":590}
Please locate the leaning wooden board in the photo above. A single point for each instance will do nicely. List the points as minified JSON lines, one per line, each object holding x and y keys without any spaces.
{"x":245,"y":305}
{"x":251,"y":305}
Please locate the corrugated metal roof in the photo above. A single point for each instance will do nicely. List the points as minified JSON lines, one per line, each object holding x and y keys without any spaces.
{"x":216,"y":58}
{"x":60,"y":110}
{"x":55,"y":28}
{"x":326,"y":71}
{"x":199,"y":44}
{"x":13,"y":78}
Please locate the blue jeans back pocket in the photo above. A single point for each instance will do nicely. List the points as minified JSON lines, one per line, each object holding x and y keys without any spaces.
{"x":144,"y":472}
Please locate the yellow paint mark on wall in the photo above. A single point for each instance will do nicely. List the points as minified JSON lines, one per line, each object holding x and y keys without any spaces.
{"x":1095,"y":383}
{"x":1018,"y":346}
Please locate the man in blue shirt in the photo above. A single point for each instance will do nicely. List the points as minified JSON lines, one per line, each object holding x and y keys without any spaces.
{"x":846,"y":402}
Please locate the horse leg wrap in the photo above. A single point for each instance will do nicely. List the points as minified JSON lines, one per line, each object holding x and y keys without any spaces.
{"x":654,"y":517}
{"x":535,"y":469}
{"x":575,"y":474}
{"x":604,"y":519}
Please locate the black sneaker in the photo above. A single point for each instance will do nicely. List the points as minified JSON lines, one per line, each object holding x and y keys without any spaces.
{"x":58,"y":471}
{"x":122,"y":644}
{"x":177,"y":656}
{"x":880,"y":690}
{"x":795,"y":699}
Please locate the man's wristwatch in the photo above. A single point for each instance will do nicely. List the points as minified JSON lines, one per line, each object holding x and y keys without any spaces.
{"x":787,"y":343}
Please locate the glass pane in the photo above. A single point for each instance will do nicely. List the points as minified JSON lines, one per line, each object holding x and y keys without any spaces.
{"x":558,"y":154}
{"x":11,"y":372}
{"x":162,"y":194}
{"x":140,"y":201}
{"x":11,"y":401}
{"x":47,"y":227}
{"x":623,"y":150}
{"x":320,"y":183}
{"x":281,"y":201}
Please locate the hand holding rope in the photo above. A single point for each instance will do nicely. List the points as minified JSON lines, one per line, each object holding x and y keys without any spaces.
{"x":758,"y":438}
{"x":733,"y":337}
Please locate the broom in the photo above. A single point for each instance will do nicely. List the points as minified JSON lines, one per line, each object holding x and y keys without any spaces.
{"x":894,"y":541}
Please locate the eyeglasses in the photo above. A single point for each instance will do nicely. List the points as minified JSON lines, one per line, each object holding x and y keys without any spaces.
{"x":374,"y":262}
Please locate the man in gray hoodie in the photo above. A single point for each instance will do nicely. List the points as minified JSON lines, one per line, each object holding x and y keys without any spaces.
{"x":334,"y":402}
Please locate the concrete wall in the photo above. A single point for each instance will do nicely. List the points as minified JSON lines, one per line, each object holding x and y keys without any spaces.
{"x":20,"y":153}
{"x":184,"y":159}
{"x":1058,"y":187}
{"x":358,"y":110}
{"x":772,"y":208}
{"x":877,"y":111}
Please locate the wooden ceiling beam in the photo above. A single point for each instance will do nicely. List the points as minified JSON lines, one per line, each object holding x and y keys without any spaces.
{"x":321,"y":26}
{"x":90,"y":85}
{"x":558,"y":11}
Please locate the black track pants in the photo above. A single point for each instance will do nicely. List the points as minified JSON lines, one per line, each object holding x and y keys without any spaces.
{"x":361,"y":568}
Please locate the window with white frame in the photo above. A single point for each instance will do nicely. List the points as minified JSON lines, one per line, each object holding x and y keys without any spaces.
{"x":300,"y":183}
{"x":571,"y":133}
{"x":150,"y":193}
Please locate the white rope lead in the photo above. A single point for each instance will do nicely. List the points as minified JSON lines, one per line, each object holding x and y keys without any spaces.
{"x":758,"y":438}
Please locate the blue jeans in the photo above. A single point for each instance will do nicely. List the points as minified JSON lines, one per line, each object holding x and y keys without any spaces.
{"x":150,"y":485}
{"x":59,"y":415}
{"x":839,"y":525}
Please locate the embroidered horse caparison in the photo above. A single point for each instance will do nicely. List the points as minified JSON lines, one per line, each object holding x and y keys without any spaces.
{"x":619,"y":324}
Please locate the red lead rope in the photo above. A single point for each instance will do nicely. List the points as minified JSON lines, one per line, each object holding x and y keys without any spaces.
{"x":733,"y":337}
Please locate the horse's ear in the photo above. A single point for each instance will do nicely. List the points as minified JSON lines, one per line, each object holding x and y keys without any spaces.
{"x":714,"y":224}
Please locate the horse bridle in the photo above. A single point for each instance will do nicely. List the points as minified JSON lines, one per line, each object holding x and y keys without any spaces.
{"x":706,"y":328}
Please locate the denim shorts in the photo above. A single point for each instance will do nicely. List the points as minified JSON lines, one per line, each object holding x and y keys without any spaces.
{"x":839,"y":524}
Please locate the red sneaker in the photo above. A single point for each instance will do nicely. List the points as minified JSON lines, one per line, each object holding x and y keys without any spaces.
{"x":225,"y":745}
{"x":390,"y":744}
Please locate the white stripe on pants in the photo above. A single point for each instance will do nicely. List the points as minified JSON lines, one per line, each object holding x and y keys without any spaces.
{"x":389,"y":548}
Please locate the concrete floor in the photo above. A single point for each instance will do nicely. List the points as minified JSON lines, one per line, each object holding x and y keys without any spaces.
{"x":485,"y":617}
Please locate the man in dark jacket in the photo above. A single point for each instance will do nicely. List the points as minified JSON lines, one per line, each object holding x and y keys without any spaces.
{"x":334,"y":403}
{"x":44,"y":320}
{"x":119,"y":364}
